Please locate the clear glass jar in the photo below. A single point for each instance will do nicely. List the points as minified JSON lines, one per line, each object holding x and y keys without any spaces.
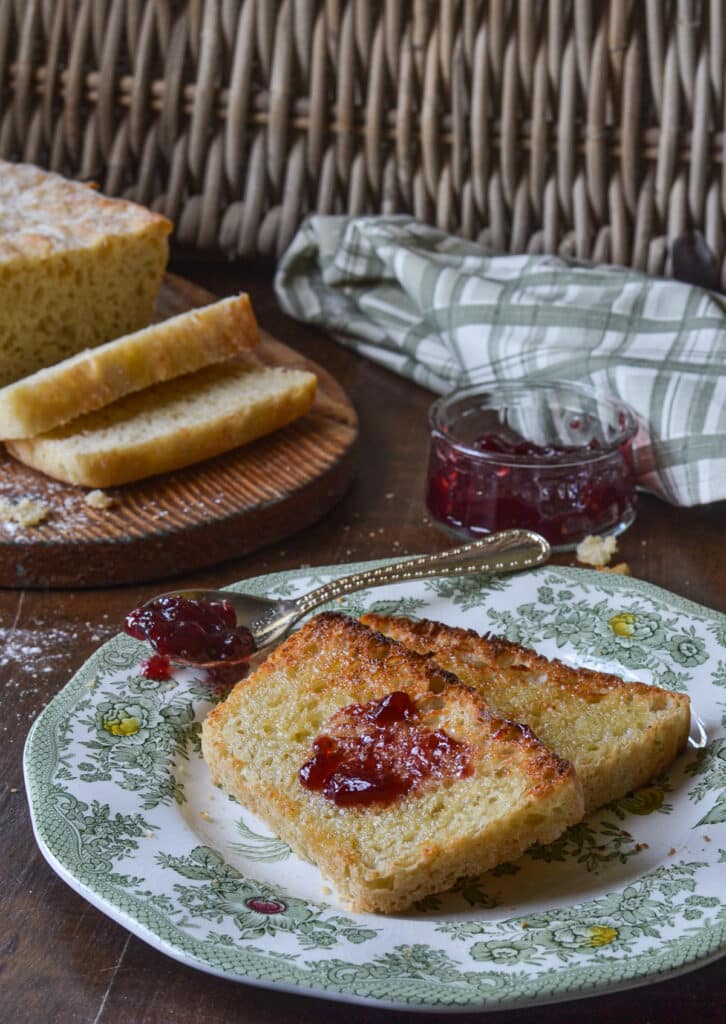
{"x":549,"y":456}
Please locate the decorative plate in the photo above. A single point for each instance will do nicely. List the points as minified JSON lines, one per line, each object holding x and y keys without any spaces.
{"x":124,"y":811}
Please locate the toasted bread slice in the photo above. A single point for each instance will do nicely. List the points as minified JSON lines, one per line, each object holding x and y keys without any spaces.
{"x":618,"y":735}
{"x":384,"y":856}
{"x":99,"y":376}
{"x":171,"y":425}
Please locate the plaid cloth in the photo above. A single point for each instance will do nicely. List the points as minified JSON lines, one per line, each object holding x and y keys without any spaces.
{"x":446,"y":312}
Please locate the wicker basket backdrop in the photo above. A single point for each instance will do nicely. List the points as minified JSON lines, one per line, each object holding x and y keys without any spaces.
{"x":585,"y":127}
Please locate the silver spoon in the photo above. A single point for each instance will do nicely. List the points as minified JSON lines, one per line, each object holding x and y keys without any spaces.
{"x":270,"y":620}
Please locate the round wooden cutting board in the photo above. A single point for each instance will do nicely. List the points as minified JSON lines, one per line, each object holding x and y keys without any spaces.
{"x":193,"y":518}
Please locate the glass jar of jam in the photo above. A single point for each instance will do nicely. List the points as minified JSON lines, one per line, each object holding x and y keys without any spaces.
{"x":549,"y":456}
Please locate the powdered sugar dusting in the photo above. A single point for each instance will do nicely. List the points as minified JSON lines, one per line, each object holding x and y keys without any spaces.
{"x":36,"y":661}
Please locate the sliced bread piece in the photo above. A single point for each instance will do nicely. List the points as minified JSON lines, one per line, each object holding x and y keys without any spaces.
{"x":99,"y":376}
{"x":76,"y":268}
{"x":171,"y":425}
{"x":324,"y":681}
{"x":618,"y":735}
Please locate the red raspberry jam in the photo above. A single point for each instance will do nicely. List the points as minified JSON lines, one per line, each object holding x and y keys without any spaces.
{"x":158,"y":666}
{"x":379,"y":751}
{"x":196,"y":631}
{"x":485,"y":476}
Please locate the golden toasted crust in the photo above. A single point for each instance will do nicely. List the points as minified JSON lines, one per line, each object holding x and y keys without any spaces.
{"x":384,"y":857}
{"x":619,"y":735}
{"x":76,"y":268}
{"x":99,"y":376}
{"x":171,"y":425}
{"x":42,"y":213}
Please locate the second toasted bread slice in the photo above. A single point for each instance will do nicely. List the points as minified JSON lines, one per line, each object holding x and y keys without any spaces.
{"x":314,"y":691}
{"x":618,"y":735}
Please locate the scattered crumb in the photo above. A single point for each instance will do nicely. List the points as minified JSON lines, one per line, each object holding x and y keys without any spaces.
{"x":707,"y":839}
{"x":524,"y":924}
{"x":99,"y":499}
{"x":92,"y":683}
{"x":13,"y":789}
{"x":205,"y":815}
{"x":149,"y":835}
{"x":596,"y":551}
{"x":672,"y":851}
{"x":621,"y":569}
{"x":389,"y":495}
{"x":26,"y":512}
{"x":406,"y":950}
{"x":325,"y":890}
{"x":641,"y":846}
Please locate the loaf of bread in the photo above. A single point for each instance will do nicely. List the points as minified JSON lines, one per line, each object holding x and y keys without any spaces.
{"x":76,"y":268}
{"x":99,"y":376}
{"x":618,"y":735}
{"x":170,"y":425}
{"x":383,"y":856}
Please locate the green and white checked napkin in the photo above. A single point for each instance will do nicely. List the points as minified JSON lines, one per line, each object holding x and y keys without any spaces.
{"x":446,"y":312}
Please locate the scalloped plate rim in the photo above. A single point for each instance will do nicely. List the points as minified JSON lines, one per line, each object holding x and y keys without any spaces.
{"x":603,"y":582}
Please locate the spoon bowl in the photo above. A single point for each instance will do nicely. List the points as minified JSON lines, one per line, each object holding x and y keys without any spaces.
{"x":268,"y":621}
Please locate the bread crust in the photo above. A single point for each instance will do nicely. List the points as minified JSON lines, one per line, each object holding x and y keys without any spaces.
{"x":99,"y":376}
{"x":171,"y":425}
{"x":76,"y":268}
{"x":637,"y":729}
{"x":384,"y":857}
{"x":42,"y":213}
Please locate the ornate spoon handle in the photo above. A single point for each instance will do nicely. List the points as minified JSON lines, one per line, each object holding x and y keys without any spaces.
{"x":502,"y":552}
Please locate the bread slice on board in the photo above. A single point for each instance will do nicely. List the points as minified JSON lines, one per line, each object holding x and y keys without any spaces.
{"x":384,"y":856}
{"x":618,"y":735}
{"x":76,"y":268}
{"x":99,"y":376}
{"x":170,"y":425}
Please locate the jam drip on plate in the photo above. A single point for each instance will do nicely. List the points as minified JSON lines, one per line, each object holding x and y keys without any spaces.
{"x":379,"y":751}
{"x":192,"y":631}
{"x":158,"y":666}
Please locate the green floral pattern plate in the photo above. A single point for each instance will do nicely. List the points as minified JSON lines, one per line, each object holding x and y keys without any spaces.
{"x":124,"y":811}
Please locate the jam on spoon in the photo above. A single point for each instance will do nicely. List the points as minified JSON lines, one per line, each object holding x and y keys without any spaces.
{"x":182,"y":629}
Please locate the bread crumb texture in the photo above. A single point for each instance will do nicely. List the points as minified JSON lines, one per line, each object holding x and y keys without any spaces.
{"x":384,"y":857}
{"x":171,"y":425}
{"x":25,"y":512}
{"x":596,"y":551}
{"x":99,"y":499}
{"x":76,"y":268}
{"x":100,"y":376}
{"x":618,"y":735}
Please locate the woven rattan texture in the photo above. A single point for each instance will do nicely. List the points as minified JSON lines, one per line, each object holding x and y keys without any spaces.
{"x":585,"y":127}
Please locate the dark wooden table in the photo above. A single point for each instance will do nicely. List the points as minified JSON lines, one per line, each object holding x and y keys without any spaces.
{"x":61,"y":960}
